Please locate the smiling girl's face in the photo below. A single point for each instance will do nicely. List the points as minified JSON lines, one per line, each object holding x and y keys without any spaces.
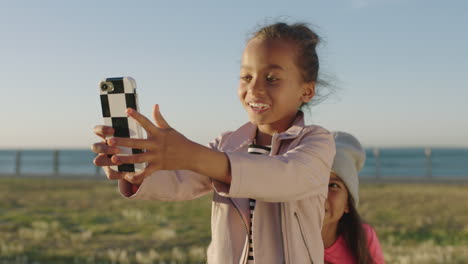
{"x":337,"y":202}
{"x":271,"y":87}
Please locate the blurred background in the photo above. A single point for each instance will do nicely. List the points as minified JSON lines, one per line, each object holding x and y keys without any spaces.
{"x":395,"y":69}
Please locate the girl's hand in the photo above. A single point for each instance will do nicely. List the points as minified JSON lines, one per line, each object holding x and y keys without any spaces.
{"x":103,"y":150}
{"x":165,"y":148}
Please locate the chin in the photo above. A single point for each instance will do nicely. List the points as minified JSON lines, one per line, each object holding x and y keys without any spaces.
{"x":258,"y":121}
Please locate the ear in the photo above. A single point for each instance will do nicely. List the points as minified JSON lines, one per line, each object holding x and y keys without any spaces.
{"x":308,"y":92}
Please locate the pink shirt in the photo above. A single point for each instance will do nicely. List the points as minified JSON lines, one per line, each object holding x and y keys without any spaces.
{"x":340,"y":253}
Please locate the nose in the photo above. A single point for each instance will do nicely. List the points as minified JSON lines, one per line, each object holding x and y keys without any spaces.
{"x":256,"y":87}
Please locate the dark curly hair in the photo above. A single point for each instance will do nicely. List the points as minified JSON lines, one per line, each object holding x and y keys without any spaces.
{"x":306,"y":41}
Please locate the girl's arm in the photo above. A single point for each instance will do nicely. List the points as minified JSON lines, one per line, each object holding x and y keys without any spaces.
{"x":301,"y":172}
{"x":169,"y":185}
{"x":296,"y":174}
{"x":176,"y":185}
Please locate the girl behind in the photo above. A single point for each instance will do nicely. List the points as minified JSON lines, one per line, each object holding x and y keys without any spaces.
{"x":346,"y":237}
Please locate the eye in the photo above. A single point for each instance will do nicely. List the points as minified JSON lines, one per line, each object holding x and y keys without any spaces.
{"x":246,"y":78}
{"x":333,"y":185}
{"x":271,"y":78}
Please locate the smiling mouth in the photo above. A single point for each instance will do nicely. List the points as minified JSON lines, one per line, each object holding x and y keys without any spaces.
{"x":259,"y":107}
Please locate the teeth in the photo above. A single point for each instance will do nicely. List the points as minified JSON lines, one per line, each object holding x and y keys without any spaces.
{"x":259,"y":105}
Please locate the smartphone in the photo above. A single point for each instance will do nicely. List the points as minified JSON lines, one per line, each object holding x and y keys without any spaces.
{"x":117,"y":94}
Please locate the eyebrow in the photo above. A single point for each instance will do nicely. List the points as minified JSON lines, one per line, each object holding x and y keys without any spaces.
{"x":269,"y":67}
{"x":336,"y":178}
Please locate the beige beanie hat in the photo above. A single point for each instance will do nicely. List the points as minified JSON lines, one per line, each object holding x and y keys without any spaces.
{"x":349,"y":160}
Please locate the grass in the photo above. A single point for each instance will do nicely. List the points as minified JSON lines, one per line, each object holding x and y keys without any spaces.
{"x":418,"y":223}
{"x":87,"y":221}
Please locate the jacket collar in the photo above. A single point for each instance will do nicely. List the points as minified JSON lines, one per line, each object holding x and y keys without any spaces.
{"x":246,"y":133}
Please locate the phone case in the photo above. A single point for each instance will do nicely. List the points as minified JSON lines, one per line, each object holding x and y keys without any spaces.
{"x":114,"y":103}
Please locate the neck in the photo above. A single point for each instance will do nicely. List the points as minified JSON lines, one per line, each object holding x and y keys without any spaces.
{"x":329,"y":234}
{"x":263,"y":138}
{"x":265,"y":132}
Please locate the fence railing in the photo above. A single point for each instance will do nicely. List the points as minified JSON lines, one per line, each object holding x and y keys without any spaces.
{"x":381,"y":164}
{"x":428,"y":162}
{"x":48,"y":162}
{"x":55,"y":163}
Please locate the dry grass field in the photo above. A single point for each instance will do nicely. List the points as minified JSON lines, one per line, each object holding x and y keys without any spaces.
{"x":86,"y":221}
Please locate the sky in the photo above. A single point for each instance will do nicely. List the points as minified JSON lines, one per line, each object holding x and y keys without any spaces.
{"x":398,"y":67}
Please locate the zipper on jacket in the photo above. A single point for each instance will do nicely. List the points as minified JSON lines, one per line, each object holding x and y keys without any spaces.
{"x":284,"y":231}
{"x":303,"y":237}
{"x":245,"y":228}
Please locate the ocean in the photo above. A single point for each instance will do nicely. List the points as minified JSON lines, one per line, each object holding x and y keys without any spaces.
{"x":391,"y":162}
{"x":415,"y":162}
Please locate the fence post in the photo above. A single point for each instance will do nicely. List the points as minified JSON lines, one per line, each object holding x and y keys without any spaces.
{"x":377,"y":162}
{"x":18,"y":162}
{"x":428,"y":152}
{"x":56,"y":162}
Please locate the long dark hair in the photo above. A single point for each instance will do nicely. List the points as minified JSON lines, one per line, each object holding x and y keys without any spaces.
{"x":350,"y":226}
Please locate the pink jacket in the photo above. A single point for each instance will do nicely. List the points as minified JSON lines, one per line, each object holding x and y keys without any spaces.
{"x":295,"y":177}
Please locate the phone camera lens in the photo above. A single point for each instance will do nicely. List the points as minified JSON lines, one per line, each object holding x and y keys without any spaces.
{"x":104,"y":87}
